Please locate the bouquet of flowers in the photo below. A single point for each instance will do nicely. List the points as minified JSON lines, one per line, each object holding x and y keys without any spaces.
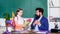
{"x":27,"y":22}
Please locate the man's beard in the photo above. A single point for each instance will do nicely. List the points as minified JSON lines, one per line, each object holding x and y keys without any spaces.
{"x":37,"y":17}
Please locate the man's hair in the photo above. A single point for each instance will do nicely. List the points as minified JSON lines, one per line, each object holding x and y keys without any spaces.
{"x":40,"y":10}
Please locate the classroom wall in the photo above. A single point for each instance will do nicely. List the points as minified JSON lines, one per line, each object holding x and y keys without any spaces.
{"x":54,"y":11}
{"x":28,"y":7}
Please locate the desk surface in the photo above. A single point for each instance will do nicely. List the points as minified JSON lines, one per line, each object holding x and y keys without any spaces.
{"x":30,"y":32}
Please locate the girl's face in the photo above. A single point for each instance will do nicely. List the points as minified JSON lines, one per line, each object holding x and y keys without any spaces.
{"x":20,"y":12}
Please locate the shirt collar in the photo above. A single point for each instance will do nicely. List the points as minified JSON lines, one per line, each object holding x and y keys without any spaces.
{"x":40,"y":18}
{"x":18,"y":16}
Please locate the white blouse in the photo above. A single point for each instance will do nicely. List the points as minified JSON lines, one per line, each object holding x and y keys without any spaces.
{"x":19,"y":19}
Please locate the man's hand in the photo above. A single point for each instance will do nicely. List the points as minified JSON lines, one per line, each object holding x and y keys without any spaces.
{"x":35,"y":22}
{"x":38,"y":23}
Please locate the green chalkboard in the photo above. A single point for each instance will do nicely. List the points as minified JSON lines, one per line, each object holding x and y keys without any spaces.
{"x":28,"y":7}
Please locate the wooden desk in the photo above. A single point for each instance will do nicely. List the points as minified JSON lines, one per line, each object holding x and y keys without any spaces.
{"x":54,"y":33}
{"x":29,"y":32}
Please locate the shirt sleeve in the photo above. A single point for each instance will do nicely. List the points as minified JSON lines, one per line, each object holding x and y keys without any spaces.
{"x":15,"y":19}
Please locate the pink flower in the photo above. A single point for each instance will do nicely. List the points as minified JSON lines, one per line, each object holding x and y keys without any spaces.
{"x":29,"y":19}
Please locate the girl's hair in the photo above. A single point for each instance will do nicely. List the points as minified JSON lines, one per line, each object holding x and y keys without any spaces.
{"x":18,"y":11}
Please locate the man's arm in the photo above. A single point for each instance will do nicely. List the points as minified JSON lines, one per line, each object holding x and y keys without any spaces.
{"x":44,"y":25}
{"x":33,"y":25}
